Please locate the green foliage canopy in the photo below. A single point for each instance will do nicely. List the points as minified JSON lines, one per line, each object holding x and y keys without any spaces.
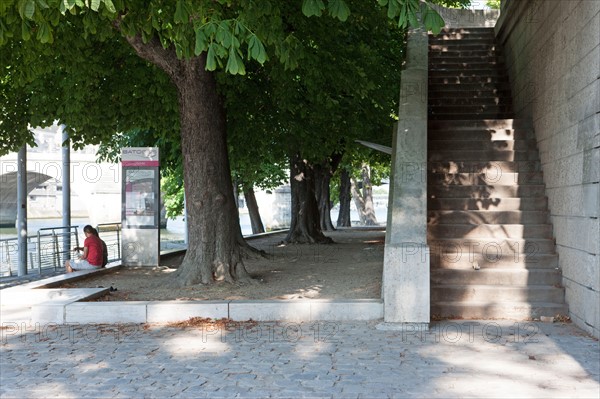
{"x":66,"y":60}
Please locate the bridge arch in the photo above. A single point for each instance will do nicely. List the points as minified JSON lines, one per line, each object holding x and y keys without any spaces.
{"x":8,"y":194}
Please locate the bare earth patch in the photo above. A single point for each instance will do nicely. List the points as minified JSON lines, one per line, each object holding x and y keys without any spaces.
{"x":349,"y":269}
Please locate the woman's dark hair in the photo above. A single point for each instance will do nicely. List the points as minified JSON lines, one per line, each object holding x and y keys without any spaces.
{"x":90,"y":230}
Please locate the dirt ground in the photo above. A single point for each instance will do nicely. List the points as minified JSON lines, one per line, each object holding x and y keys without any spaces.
{"x":349,"y":269}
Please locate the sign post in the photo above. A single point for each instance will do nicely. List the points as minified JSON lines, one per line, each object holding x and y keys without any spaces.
{"x":140,"y":216}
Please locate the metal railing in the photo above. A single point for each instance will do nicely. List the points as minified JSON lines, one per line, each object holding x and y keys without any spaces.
{"x":52,"y":246}
{"x":48,"y":249}
{"x":9,"y":248}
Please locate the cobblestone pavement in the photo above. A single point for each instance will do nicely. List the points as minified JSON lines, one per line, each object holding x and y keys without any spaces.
{"x":322,"y":359}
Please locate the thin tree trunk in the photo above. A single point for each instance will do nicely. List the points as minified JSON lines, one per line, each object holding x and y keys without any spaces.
{"x":305,"y":225}
{"x":358,"y":201}
{"x":345,"y":197}
{"x":367,"y":195}
{"x":214,"y":236}
{"x":255,"y":220}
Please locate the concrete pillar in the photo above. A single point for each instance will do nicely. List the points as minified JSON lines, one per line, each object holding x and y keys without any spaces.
{"x":22,"y":210}
{"x":66,"y":190}
{"x":406,"y":257}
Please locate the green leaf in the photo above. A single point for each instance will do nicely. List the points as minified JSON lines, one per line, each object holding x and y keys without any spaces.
{"x":432,"y":20}
{"x":339,"y":9}
{"x":211,"y":62}
{"x":26,"y":9}
{"x":312,"y":7}
{"x":393,"y":9}
{"x":225,"y":36}
{"x":25,"y":31}
{"x":402,"y":19}
{"x":181,"y":14}
{"x":201,"y":42}
{"x":256,"y":49}
{"x":412,"y":19}
{"x":43,"y":4}
{"x":232,"y":63}
{"x":30,"y":9}
{"x":95,"y":5}
{"x":110,"y":6}
{"x":44,"y":34}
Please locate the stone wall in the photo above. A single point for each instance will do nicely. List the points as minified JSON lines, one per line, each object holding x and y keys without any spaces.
{"x":552,"y":51}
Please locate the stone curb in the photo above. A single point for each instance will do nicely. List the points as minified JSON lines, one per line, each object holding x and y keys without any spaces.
{"x":238,"y":310}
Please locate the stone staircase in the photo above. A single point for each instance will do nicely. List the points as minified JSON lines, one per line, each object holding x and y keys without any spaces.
{"x":492,"y":248}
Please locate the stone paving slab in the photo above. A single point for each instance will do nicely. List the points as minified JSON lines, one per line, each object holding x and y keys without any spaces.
{"x":286,"y":359}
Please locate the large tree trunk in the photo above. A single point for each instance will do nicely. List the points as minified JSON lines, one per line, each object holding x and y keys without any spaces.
{"x":345,"y":197}
{"x":323,"y":174}
{"x":214,"y":236}
{"x":322,"y":193}
{"x":305,"y":225}
{"x":255,"y":220}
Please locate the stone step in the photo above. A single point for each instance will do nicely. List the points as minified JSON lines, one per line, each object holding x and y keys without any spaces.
{"x":465,"y":108}
{"x":492,"y":247}
{"x":518,"y":231}
{"x":441,"y":93}
{"x":483,"y":155}
{"x":458,"y":134}
{"x":495,"y":294}
{"x":499,"y":277}
{"x":489,"y":178}
{"x":437,"y":58}
{"x":507,"y":310}
{"x":462,"y":62}
{"x":449,"y":144}
{"x":463,"y":73}
{"x":474,"y":191}
{"x":452,"y":37}
{"x":489,"y":124}
{"x":436,"y":81}
{"x":487,"y":217}
{"x":471,"y":100}
{"x":472,"y":111}
{"x":488,"y":204}
{"x":463,"y":54}
{"x":474,"y":116}
{"x":462,"y":47}
{"x":466,"y":40}
{"x":466,"y":31}
{"x":448,"y":258}
{"x":490,"y":169}
{"x":468,"y":90}
{"x":445,"y":61}
{"x":469,"y":109}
